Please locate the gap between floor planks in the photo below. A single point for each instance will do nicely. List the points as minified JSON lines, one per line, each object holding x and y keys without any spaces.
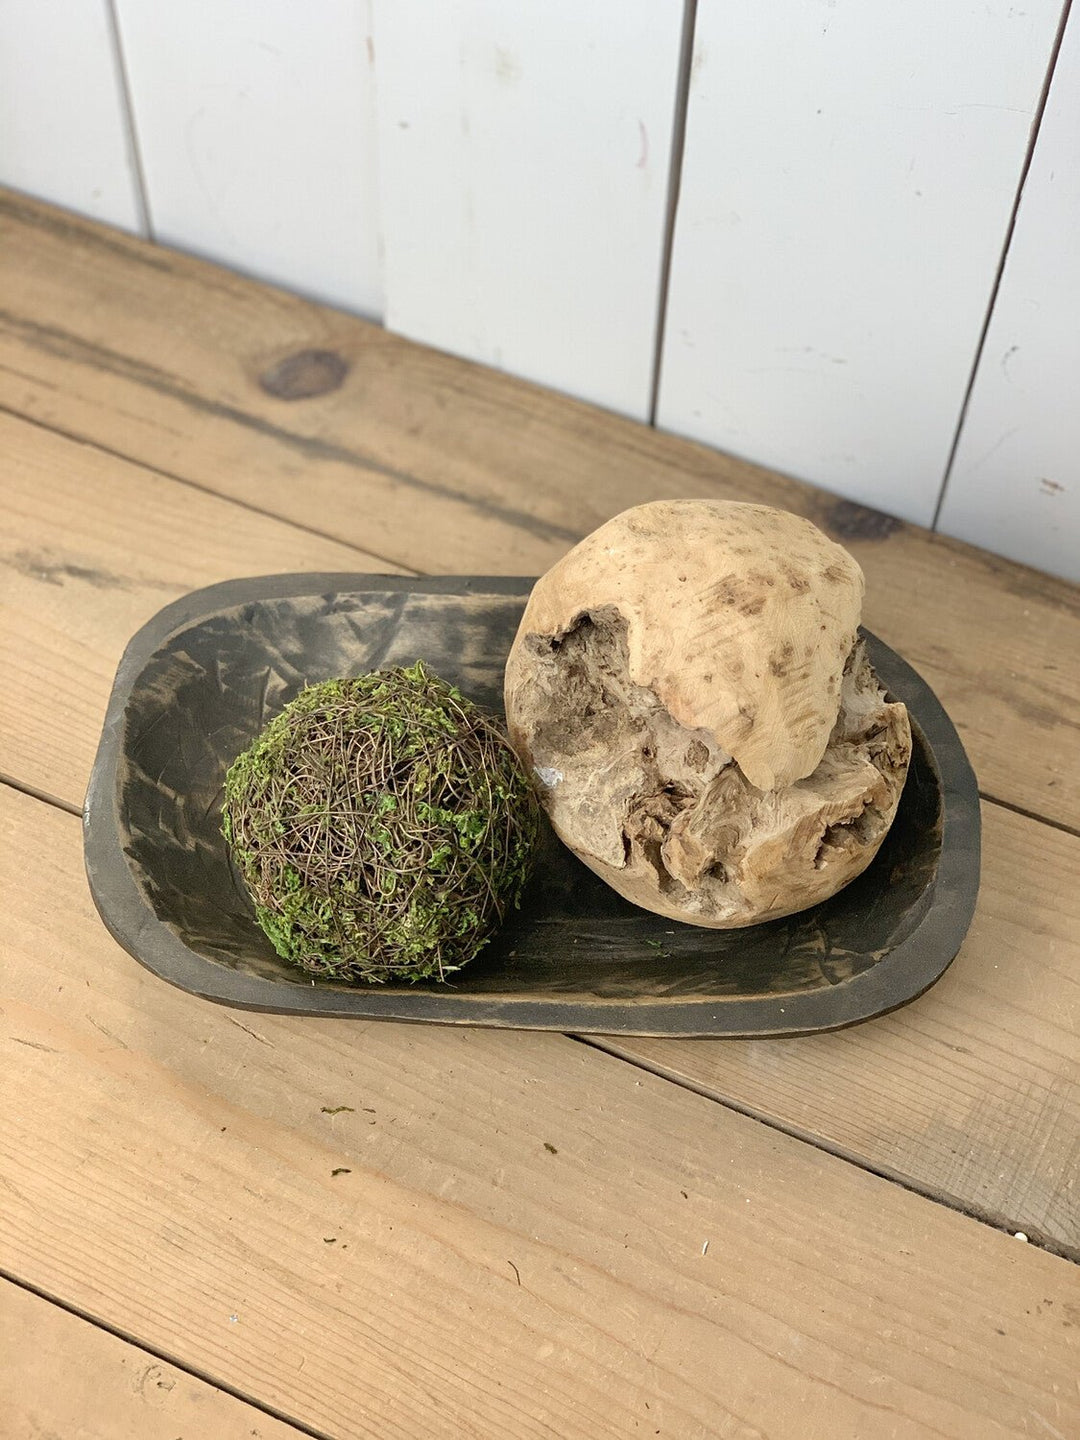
{"x":611,"y":1046}
{"x":98,"y":1331}
{"x":42,"y":795}
{"x":241,"y":504}
{"x":906,"y":1182}
{"x":1031,"y":815}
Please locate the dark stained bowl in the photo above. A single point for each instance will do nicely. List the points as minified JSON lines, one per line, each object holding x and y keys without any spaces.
{"x":200,"y":680}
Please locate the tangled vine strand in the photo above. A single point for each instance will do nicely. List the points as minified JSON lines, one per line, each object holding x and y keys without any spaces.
{"x":383,"y":826}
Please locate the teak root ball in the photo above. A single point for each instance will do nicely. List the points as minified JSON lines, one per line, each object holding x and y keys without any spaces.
{"x":689,"y":692}
{"x":383,"y":827}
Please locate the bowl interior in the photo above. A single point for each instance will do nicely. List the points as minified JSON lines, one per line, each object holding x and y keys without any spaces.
{"x":211,"y":687}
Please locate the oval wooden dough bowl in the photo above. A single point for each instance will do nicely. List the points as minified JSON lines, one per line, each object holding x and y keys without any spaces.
{"x":199,"y":681}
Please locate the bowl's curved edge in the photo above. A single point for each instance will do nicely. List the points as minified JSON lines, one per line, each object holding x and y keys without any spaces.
{"x":899,"y":977}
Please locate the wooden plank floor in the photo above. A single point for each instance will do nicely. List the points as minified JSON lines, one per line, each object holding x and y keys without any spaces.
{"x":669,"y":1251}
{"x":63,"y":1377}
{"x":525,"y":1235}
{"x":436,"y":464}
{"x":971,"y":1095}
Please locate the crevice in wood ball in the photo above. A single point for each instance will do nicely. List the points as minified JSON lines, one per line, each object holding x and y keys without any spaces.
{"x":669,"y":818}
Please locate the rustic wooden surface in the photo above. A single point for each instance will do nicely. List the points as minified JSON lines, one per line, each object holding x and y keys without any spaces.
{"x":64,"y":1378}
{"x":971,"y":1093}
{"x":937,"y":1094}
{"x":434,"y":464}
{"x":670,"y":1252}
{"x":168,"y":1166}
{"x":91,"y":547}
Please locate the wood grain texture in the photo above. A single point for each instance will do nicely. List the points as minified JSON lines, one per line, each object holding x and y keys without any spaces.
{"x":446,"y":466}
{"x":1015,"y":482}
{"x":62,"y":116}
{"x":506,"y":1235}
{"x":524,"y":158}
{"x":146,"y":531}
{"x":986,"y":1065}
{"x":971,"y":1093}
{"x":256,"y":127}
{"x":92,"y":546}
{"x":65,"y":1379}
{"x":848,"y":178}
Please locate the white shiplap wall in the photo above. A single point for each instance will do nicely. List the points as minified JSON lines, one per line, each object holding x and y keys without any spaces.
{"x":1015,"y":483}
{"x":256,"y":127}
{"x":524,"y":156}
{"x":848,"y":179}
{"x":494,"y":178}
{"x":64,"y":133}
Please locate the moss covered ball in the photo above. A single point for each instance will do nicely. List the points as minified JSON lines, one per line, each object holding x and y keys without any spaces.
{"x":383,"y":826}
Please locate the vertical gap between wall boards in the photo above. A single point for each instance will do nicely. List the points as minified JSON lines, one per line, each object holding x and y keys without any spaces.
{"x":131,"y":134}
{"x":678,"y":142}
{"x":1033,"y":138}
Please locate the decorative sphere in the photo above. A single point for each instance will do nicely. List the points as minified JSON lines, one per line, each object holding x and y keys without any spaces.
{"x":383,"y":826}
{"x":690,"y":690}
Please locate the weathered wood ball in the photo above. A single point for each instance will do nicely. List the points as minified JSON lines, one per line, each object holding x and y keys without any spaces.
{"x":690,"y":694}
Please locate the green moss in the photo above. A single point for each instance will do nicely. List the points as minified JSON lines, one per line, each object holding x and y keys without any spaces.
{"x":383,"y":826}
